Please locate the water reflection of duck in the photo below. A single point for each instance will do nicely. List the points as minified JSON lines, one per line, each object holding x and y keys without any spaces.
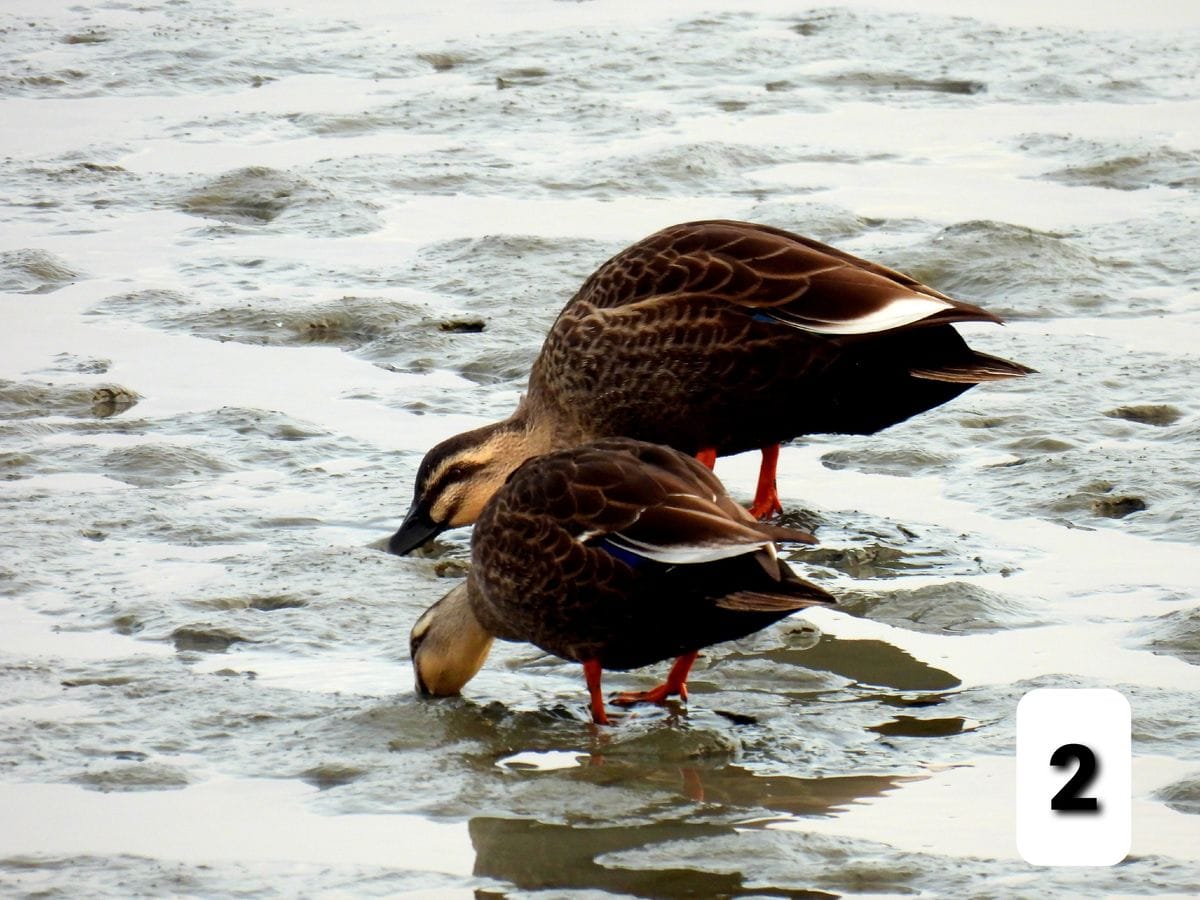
{"x":716,"y":338}
{"x":615,"y":554}
{"x":533,"y":855}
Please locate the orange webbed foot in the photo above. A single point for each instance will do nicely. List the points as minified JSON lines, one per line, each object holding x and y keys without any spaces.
{"x":764,"y":508}
{"x":654,"y":695}
{"x":675,"y":685}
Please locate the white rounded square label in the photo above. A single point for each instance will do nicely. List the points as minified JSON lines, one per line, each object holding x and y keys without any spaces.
{"x":1073,"y":777}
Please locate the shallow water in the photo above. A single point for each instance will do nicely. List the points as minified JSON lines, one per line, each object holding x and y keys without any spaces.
{"x":254,"y":262}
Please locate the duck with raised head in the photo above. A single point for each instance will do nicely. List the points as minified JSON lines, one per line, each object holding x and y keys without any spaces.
{"x":715,"y":338}
{"x":615,"y":554}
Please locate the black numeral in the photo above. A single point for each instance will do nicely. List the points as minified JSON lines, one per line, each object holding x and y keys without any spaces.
{"x":1068,"y":799}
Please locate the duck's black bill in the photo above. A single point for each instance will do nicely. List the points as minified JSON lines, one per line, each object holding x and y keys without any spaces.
{"x":416,"y":529}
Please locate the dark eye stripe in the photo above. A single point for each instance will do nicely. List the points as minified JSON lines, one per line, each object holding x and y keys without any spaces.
{"x":457,"y":472}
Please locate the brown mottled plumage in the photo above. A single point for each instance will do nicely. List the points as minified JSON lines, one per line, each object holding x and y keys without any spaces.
{"x":715,"y":338}
{"x":615,"y":554}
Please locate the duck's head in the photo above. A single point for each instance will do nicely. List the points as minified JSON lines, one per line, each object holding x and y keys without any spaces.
{"x":456,"y":479}
{"x":448,"y":645}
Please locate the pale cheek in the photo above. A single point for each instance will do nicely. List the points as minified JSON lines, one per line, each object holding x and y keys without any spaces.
{"x":470,"y":507}
{"x":466,"y":515}
{"x":441,"y":510}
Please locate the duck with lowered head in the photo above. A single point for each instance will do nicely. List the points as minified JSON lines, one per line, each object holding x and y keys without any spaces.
{"x":615,"y":554}
{"x":717,"y":337}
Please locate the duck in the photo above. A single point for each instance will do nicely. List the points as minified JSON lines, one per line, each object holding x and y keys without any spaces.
{"x":615,"y":554}
{"x":716,"y":337}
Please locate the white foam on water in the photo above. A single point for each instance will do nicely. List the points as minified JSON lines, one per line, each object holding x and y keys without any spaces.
{"x":431,"y":23}
{"x":969,"y":811}
{"x":26,"y":636}
{"x":178,"y":373}
{"x":248,"y":820}
{"x":334,"y":671}
{"x":544,"y":760}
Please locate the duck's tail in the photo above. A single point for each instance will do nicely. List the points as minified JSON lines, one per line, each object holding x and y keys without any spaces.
{"x":973,"y":369}
{"x":790,"y":594}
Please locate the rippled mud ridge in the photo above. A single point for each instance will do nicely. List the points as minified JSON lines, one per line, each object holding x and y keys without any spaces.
{"x":255,"y":261}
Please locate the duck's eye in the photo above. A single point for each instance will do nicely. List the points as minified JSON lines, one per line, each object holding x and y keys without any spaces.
{"x":461,"y":472}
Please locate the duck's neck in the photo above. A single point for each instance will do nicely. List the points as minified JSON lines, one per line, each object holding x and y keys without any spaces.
{"x":545,"y":425}
{"x":504,"y":445}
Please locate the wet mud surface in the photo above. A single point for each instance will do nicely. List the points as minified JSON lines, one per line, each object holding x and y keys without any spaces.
{"x":254,"y":262}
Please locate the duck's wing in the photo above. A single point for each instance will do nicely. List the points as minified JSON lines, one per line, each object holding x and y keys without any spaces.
{"x":772,"y":275}
{"x":693,"y":522}
{"x":656,"y":503}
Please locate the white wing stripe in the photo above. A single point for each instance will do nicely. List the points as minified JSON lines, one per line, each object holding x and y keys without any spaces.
{"x":897,"y":313}
{"x":684,"y":554}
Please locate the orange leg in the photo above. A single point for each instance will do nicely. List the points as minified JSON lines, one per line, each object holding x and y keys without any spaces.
{"x":592,"y":673}
{"x":676,"y":683}
{"x":708,"y":457}
{"x":766,"y":498}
